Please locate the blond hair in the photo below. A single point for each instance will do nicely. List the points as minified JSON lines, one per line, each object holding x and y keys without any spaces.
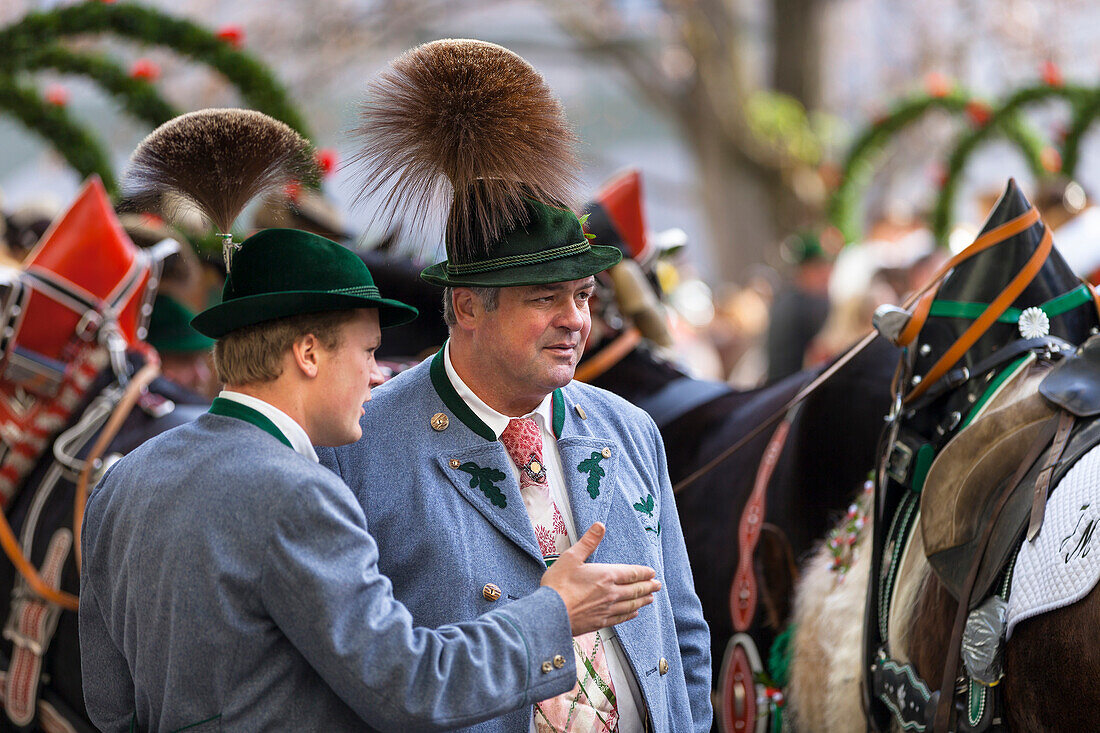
{"x":254,"y":354}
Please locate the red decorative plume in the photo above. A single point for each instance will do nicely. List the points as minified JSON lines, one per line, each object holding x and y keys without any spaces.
{"x":145,"y":69}
{"x":232,"y":34}
{"x":57,"y":95}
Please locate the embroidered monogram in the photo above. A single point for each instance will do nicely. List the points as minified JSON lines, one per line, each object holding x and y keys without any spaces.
{"x":645,"y":506}
{"x":484,"y":478}
{"x":592,"y":467}
{"x":1079,"y":542}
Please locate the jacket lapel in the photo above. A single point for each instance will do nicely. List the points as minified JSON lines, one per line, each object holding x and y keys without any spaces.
{"x":482,"y":475}
{"x":589,"y":466}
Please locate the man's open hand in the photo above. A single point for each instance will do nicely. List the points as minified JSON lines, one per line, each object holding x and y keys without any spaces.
{"x":597,"y":595}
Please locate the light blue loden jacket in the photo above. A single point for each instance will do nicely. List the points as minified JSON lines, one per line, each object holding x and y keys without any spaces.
{"x":229,"y":583}
{"x":442,"y":538}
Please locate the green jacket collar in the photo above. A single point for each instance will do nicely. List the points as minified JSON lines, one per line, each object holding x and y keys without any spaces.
{"x":462,"y":411}
{"x":229,"y":408}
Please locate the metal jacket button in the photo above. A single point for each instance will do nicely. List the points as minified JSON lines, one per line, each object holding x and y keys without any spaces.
{"x":559,"y":661}
{"x":662,"y":666}
{"x":439,"y":421}
{"x":491,"y":592}
{"x":547,"y":667}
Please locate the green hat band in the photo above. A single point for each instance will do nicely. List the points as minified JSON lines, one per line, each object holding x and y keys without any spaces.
{"x":533,"y":258}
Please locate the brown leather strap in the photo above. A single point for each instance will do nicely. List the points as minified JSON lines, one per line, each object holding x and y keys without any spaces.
{"x":988,"y":317}
{"x":945,"y":708}
{"x":122,"y":410}
{"x":608,"y":356}
{"x":1042,"y":482}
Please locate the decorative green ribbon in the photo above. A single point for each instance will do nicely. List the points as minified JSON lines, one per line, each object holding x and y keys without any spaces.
{"x":1054,"y":307}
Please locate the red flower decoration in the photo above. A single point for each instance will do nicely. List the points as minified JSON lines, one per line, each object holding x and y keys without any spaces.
{"x":327,"y":160}
{"x":1052,"y":74}
{"x":57,"y":95}
{"x":938,"y":174}
{"x":979,"y":112}
{"x":145,"y":69}
{"x":233,"y":34}
{"x":1051,"y":159}
{"x":938,"y":85}
{"x":152,"y":220}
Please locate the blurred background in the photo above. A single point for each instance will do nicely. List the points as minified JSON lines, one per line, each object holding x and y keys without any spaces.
{"x":830,"y":148}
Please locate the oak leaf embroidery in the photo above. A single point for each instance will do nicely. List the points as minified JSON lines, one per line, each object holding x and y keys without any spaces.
{"x":645,"y":506}
{"x":483,"y":479}
{"x":592,"y":467}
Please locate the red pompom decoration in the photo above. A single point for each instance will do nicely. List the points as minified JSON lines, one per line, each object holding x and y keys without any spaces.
{"x":57,"y":95}
{"x":1051,"y":159}
{"x":1052,"y":74}
{"x":979,"y":112}
{"x":145,"y":69}
{"x":232,"y":34}
{"x":327,"y":160}
{"x":938,"y":85}
{"x":292,"y":190}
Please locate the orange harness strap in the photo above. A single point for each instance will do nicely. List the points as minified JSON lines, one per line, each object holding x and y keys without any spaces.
{"x":608,"y":356}
{"x":988,"y":317}
{"x":8,"y":541}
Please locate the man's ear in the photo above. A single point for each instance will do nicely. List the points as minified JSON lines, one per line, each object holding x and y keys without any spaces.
{"x":305,"y":352}
{"x":467,"y":307}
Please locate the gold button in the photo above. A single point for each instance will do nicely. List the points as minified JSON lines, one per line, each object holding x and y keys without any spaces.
{"x":559,"y":661}
{"x":491,"y":592}
{"x":439,"y":422}
{"x":662,"y":666}
{"x":580,"y":412}
{"x":606,"y":452}
{"x":455,"y":463}
{"x":547,"y":668}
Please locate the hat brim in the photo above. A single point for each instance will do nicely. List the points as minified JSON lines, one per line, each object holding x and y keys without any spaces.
{"x":597,"y":259}
{"x":223,"y":318}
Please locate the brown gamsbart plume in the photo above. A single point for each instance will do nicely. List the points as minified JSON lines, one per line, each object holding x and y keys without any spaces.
{"x":218,"y":160}
{"x":470,"y":125}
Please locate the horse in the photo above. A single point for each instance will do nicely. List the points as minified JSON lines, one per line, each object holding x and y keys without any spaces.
{"x":963,"y":471}
{"x":78,"y":388}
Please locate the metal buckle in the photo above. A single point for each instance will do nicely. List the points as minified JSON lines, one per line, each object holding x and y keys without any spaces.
{"x":88,"y":325}
{"x":899,"y":462}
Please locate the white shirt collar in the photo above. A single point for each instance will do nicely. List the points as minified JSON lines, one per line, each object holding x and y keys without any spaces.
{"x":496,"y":421}
{"x":294,"y":432}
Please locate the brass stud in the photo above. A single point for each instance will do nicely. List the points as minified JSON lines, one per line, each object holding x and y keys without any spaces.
{"x":547,"y":667}
{"x":455,"y":463}
{"x":439,"y":422}
{"x":559,"y":661}
{"x":606,"y":452}
{"x":662,"y":666}
{"x":491,"y":592}
{"x":580,"y":412}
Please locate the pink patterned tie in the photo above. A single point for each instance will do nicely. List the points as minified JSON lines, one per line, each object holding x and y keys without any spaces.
{"x":590,"y":706}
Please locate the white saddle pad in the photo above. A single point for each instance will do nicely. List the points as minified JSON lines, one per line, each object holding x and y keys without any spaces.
{"x":1063,"y":563}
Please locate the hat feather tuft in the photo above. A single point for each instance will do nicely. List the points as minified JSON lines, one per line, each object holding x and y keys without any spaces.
{"x":470,"y":125}
{"x":218,"y":160}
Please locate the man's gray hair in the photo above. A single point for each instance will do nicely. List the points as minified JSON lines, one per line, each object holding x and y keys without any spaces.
{"x":489,"y":298}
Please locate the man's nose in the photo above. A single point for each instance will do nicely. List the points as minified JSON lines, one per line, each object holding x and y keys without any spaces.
{"x":572,"y":316}
{"x":377,"y":376}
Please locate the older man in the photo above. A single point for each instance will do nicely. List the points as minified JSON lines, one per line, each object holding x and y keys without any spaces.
{"x":502,"y":460}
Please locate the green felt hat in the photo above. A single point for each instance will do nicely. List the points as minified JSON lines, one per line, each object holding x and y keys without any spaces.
{"x":287,"y":272}
{"x":550,"y":247}
{"x":170,"y":328}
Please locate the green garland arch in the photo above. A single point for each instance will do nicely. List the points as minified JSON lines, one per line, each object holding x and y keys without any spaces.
{"x":138,"y":97}
{"x":55,"y":124}
{"x":844,"y":207}
{"x":1085,"y":114}
{"x":255,"y":83}
{"x":1004,"y":120}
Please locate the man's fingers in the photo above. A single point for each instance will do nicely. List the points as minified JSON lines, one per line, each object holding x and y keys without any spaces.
{"x":628,"y":606}
{"x":587,"y":544}
{"x":628,"y":574}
